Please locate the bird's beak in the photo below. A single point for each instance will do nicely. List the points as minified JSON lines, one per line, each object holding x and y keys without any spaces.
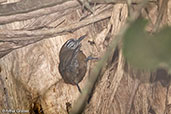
{"x":81,"y":38}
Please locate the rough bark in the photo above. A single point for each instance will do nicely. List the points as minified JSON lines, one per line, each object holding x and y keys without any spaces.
{"x":29,"y":77}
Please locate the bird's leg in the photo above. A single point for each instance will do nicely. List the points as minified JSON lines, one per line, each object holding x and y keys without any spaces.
{"x":90,"y":58}
{"x":79,"y":89}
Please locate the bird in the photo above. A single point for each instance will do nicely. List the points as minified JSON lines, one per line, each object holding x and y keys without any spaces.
{"x":73,"y":62}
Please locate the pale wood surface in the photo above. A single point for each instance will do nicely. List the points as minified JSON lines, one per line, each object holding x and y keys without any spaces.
{"x":29,"y":65}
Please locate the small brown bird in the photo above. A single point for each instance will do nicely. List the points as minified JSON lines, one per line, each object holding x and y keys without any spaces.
{"x":73,"y":62}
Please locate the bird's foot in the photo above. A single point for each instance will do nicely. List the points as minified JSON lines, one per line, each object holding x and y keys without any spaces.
{"x":91,"y":58}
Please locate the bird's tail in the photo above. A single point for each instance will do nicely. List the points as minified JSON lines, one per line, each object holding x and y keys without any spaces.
{"x":79,"y":89}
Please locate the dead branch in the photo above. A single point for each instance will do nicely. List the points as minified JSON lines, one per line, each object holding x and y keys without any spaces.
{"x":117,"y":1}
{"x":2,"y":1}
{"x":16,"y":39}
{"x":8,"y":35}
{"x":38,"y":13}
{"x":25,"y":6}
{"x":162,"y":11}
{"x":27,"y":9}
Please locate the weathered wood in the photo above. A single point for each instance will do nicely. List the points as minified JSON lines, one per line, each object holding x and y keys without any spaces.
{"x":29,"y":77}
{"x":25,"y":6}
{"x":53,"y":8}
{"x":20,"y":38}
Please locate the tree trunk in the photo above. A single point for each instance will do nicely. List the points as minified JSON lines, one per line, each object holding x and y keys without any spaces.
{"x":30,"y":42}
